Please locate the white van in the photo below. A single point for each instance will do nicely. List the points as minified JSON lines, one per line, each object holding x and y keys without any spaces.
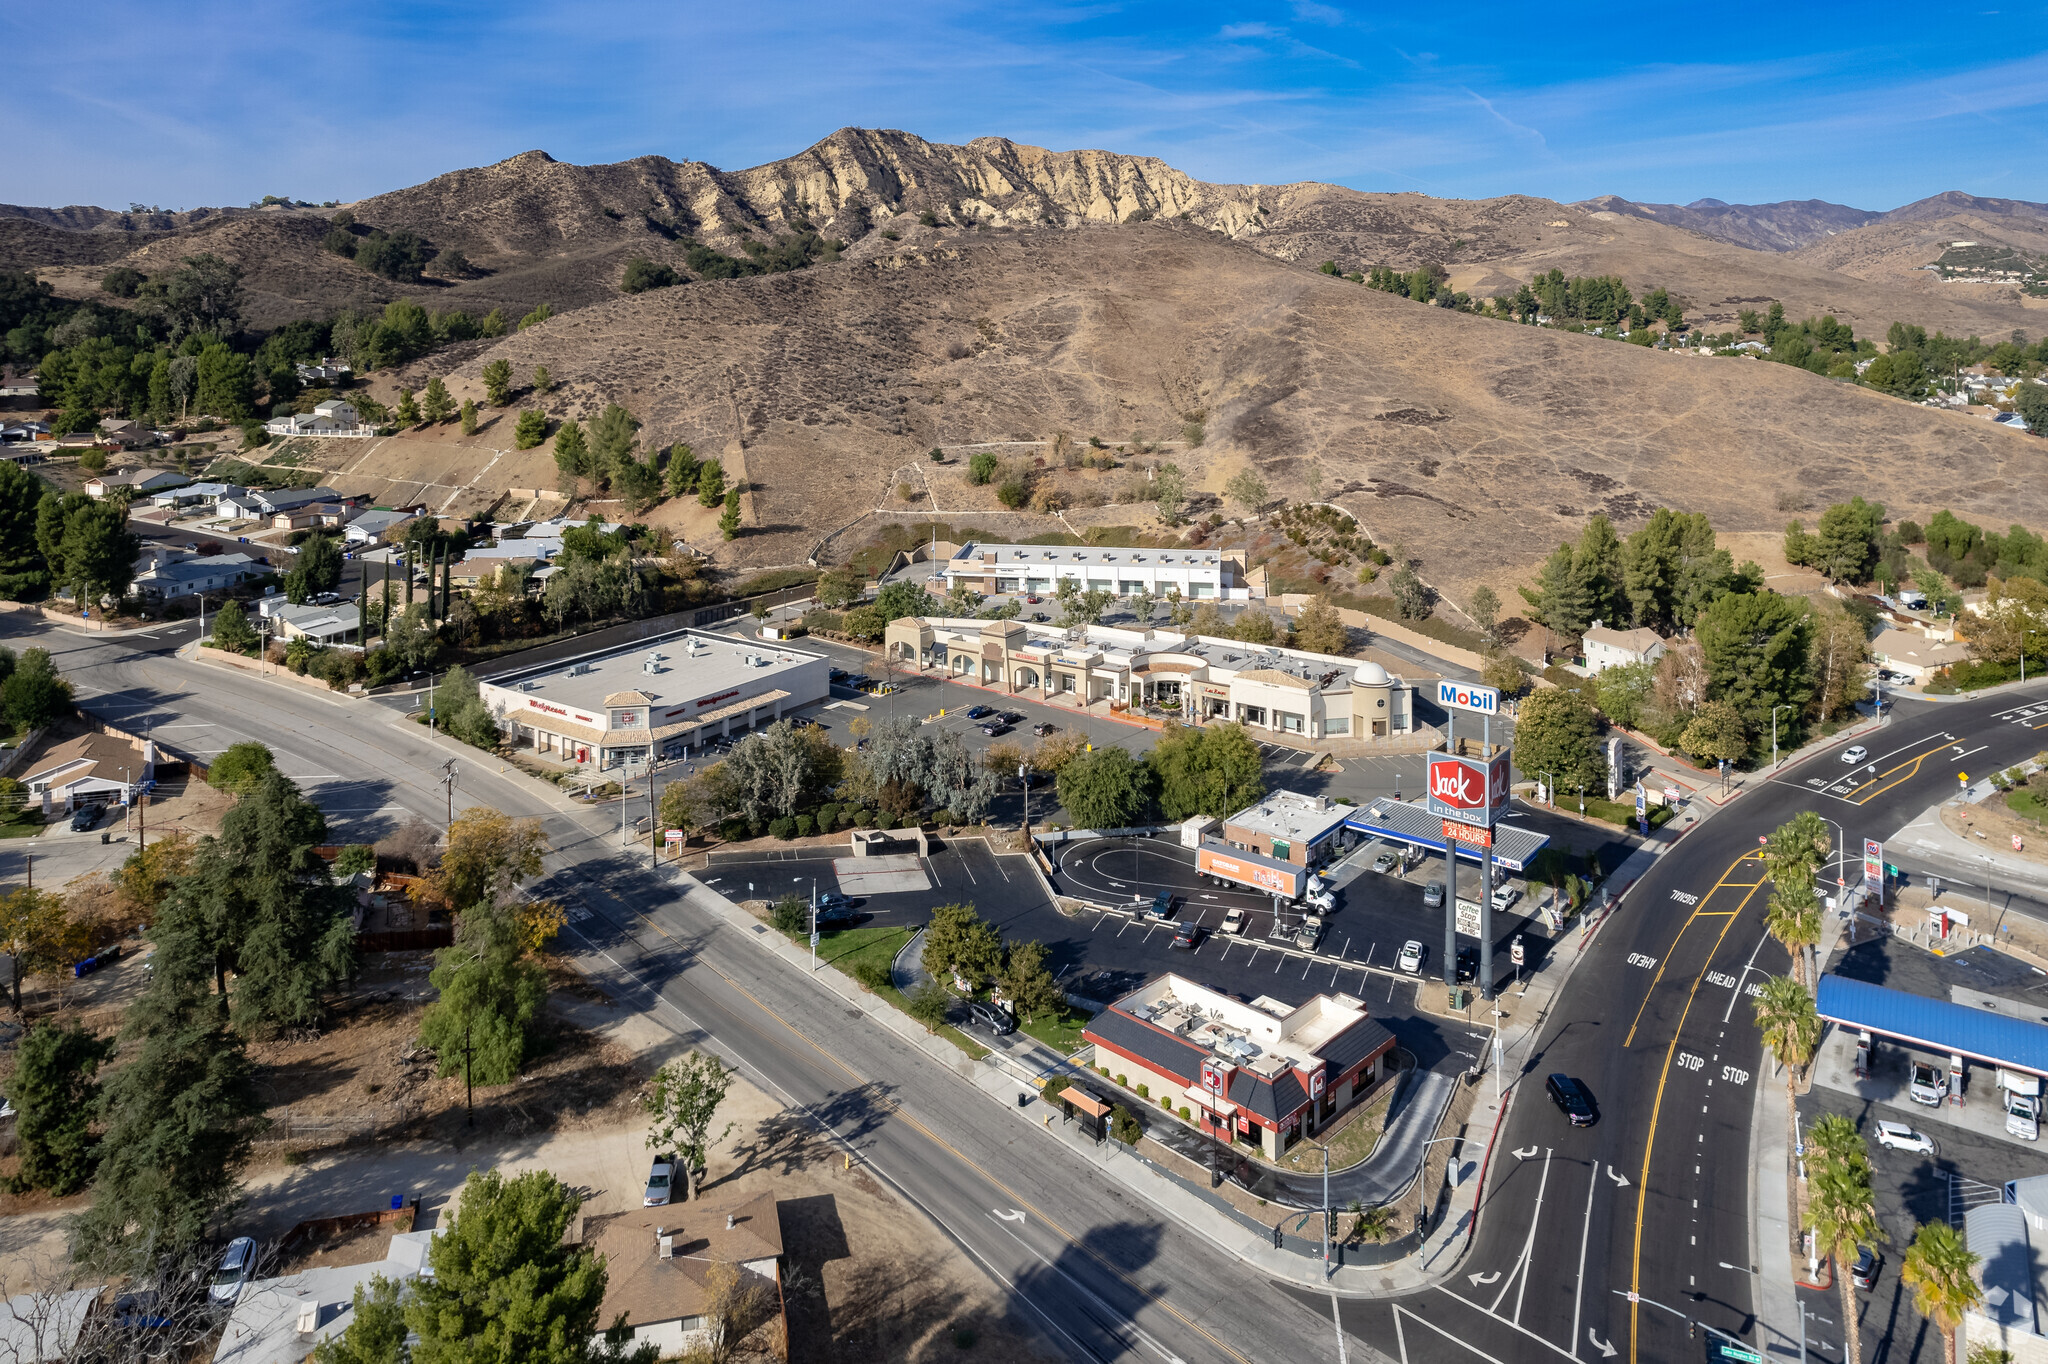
{"x":2022,"y":1095}
{"x":1929,"y":1085}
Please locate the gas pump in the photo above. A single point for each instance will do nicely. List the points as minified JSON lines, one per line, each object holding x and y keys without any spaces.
{"x":1955,"y":1080}
{"x":1862,"y":1055}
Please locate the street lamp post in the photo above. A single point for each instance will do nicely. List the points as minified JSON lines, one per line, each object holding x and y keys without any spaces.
{"x":2023,"y":652}
{"x":1774,"y":735}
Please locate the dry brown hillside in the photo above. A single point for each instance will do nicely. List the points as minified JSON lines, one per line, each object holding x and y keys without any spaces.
{"x":1477,"y":444}
{"x":548,"y":231}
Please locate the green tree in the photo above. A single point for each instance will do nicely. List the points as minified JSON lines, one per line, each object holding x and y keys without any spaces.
{"x":493,"y":324}
{"x":262,"y":899}
{"x":1756,"y":649}
{"x":180,"y":1117}
{"x":959,"y":942}
{"x":839,"y":588}
{"x":1029,"y":985}
{"x":1484,"y":609}
{"x":613,"y":443}
{"x":537,"y":316}
{"x":1938,"y":1268}
{"x":316,"y":570}
{"x":497,"y":377}
{"x":240,"y":768}
{"x":231,"y":629}
{"x":1556,"y":736}
{"x":1106,"y":789}
{"x":982,"y":467}
{"x":1841,"y":1211}
{"x":1785,"y":1015}
{"x":681,"y":474}
{"x":1625,"y":691}
{"x":1717,"y":732}
{"x":2030,"y":400}
{"x":1847,"y":543}
{"x":543,"y":382}
{"x":55,"y":1091}
{"x":226,"y":388}
{"x":376,"y":1332}
{"x":469,"y":416}
{"x":729,"y":519}
{"x":711,"y":483}
{"x":407,"y":413}
{"x":87,"y":545}
{"x":1206,"y":770}
{"x":33,"y":694}
{"x":1247,"y":489}
{"x":1560,"y":601}
{"x":504,"y":1288}
{"x":638,"y":485}
{"x":1793,"y":918}
{"x":1320,"y":630}
{"x":572,"y":453}
{"x":898,"y":600}
{"x":532,"y":429}
{"x":437,"y":406}
{"x":929,"y":1004}
{"x":24,"y":573}
{"x":643,"y":274}
{"x":1169,"y":489}
{"x":681,"y":1105}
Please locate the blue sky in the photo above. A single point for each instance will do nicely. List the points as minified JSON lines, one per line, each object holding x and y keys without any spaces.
{"x":207,"y":102}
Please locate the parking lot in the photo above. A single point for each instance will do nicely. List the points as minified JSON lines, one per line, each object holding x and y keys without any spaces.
{"x":1373,"y":916}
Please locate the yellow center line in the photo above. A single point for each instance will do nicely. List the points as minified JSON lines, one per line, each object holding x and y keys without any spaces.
{"x":1650,"y":1142}
{"x":1017,"y":1199}
{"x":1696,"y":914}
{"x":1913,"y":769}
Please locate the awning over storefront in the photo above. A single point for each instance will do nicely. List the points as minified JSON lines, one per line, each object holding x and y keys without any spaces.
{"x":1404,"y":822}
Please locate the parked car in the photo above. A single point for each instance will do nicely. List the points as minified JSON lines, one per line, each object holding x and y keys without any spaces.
{"x":1233,"y":922}
{"x":1012,"y":717}
{"x":1468,"y":963}
{"x":1310,"y":933}
{"x":1504,"y":897}
{"x":1189,"y":935}
{"x":977,"y":712}
{"x":1433,"y":895}
{"x":1034,"y":599}
{"x":1040,"y":617}
{"x":1855,"y":753}
{"x":1928,"y":1085}
{"x":1868,"y":1263}
{"x":1161,"y":907}
{"x":995,"y":729}
{"x":835,"y":909}
{"x":660,"y":1177}
{"x":1896,"y":1136}
{"x":994,"y":1017}
{"x":1572,"y":1098}
{"x":1385,"y":863}
{"x":84,"y":817}
{"x":1412,"y":953}
{"x":1043,"y":728}
{"x":237,"y":1267}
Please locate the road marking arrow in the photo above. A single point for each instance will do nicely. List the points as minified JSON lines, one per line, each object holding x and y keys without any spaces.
{"x":1526,"y":1154}
{"x":1479,"y":1280}
{"x":1013,"y":1215}
{"x":1620,"y":1180}
{"x":1606,"y":1350}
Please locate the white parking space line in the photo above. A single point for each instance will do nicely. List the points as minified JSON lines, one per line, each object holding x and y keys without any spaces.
{"x":1281,"y":962}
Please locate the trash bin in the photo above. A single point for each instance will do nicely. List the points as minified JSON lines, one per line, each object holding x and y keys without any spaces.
{"x":106,"y":835}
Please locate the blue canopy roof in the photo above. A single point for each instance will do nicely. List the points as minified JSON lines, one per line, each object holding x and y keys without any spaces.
{"x":1935,"y":1024}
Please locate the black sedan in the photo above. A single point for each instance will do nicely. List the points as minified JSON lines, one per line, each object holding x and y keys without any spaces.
{"x":1572,"y":1098}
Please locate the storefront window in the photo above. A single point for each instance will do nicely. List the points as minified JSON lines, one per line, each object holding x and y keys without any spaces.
{"x":1290,"y":723}
{"x":1337,"y":724}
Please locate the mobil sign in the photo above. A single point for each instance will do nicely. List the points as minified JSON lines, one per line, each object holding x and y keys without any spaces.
{"x":1469,"y":790}
{"x":1467,"y":696}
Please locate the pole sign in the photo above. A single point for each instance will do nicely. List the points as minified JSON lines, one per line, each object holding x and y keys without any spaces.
{"x":1873,"y":867}
{"x":672,"y":836}
{"x":1466,"y":696}
{"x":1469,"y":790}
{"x":1477,"y":835}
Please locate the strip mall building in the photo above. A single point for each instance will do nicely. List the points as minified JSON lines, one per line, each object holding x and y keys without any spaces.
{"x":1267,"y":1073}
{"x":1288,"y":691}
{"x":661,"y":696}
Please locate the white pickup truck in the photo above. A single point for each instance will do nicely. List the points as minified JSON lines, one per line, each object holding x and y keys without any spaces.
{"x":1929,"y":1085}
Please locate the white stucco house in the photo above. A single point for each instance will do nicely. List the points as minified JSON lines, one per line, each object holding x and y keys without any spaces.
{"x":1609,"y":648}
{"x":334,"y":417}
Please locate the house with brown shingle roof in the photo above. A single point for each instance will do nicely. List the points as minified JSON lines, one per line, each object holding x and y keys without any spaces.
{"x":658,"y":1263}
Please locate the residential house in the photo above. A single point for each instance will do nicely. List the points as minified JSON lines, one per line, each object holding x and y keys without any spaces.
{"x":368,"y":527}
{"x":170,"y":577}
{"x":282,"y":1321}
{"x":321,"y":624}
{"x":335,"y":417}
{"x":472,"y":569}
{"x":127,"y":434}
{"x":313,"y":514}
{"x":132,"y":482}
{"x":42,"y":1328}
{"x":93,"y":769}
{"x":658,"y":1262}
{"x":197,"y":495}
{"x":29,"y":431}
{"x":1915,"y":655}
{"x":1610,"y":648}
{"x":263,"y":503}
{"x":328,"y":371}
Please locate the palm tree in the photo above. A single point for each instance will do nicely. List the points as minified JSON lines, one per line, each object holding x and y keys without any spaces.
{"x":1937,"y":1268}
{"x":1841,"y":1211}
{"x":1793,"y":918}
{"x":1791,"y":1029}
{"x":1801,"y":842}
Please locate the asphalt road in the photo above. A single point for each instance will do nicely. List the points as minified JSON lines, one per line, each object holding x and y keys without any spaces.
{"x":1656,"y":1022}
{"x":1102,"y":1275}
{"x":1649,"y":1200}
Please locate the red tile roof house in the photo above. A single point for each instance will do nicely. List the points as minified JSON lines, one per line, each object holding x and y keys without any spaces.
{"x":1264,"y":1072}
